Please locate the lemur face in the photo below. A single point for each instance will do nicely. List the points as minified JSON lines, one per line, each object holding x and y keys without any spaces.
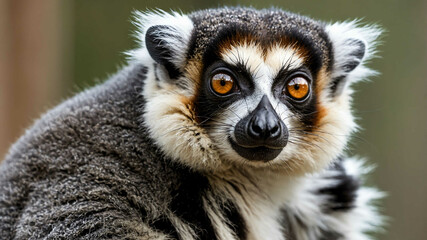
{"x":247,"y":88}
{"x":254,"y":95}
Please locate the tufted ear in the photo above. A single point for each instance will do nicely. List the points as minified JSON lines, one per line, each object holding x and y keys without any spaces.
{"x":352,"y":46}
{"x":166,"y":38}
{"x":157,"y":42}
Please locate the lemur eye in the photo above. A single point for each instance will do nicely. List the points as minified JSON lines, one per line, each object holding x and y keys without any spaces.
{"x":298,"y":88}
{"x":222,"y":83}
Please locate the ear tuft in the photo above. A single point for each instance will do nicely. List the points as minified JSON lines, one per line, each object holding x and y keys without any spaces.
{"x":165,"y":37}
{"x":352,"y":46}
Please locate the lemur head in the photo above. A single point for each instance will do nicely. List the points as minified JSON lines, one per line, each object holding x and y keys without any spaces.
{"x":239,"y":87}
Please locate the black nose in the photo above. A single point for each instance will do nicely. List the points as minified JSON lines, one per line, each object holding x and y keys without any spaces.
{"x":264,"y":127}
{"x":262,"y":134}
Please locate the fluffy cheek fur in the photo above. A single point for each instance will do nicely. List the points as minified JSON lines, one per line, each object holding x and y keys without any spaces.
{"x":316,"y":149}
{"x":171,"y":120}
{"x":313,"y":150}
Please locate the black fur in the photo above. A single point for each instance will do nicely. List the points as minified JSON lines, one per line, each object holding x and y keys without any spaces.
{"x":329,"y":50}
{"x":359,"y":53}
{"x":159,"y":51}
{"x":342,"y":195}
{"x":287,"y":228}
{"x":330,"y":235}
{"x":336,"y":85}
{"x":187,"y":203}
{"x":237,"y":223}
{"x":164,"y":225}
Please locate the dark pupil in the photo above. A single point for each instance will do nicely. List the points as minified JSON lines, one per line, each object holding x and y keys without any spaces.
{"x":296,"y":87}
{"x":222,"y":82}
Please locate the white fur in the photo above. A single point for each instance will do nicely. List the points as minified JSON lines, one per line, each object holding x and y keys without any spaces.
{"x":354,"y":224}
{"x":365,"y":216}
{"x":262,"y":202}
{"x":259,"y":200}
{"x":279,"y":57}
{"x":264,"y":71}
{"x":339,"y":33}
{"x":168,"y":119}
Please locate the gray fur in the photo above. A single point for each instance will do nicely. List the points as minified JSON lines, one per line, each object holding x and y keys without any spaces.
{"x":83,"y":165}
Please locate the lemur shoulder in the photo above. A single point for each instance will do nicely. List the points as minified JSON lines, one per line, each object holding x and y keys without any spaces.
{"x":227,"y":123}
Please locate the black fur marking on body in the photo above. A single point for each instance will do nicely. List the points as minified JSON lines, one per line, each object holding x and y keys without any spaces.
{"x":330,"y":235}
{"x":187,"y":203}
{"x":342,"y":195}
{"x":164,"y":225}
{"x":237,"y":223}
{"x":288,"y":231}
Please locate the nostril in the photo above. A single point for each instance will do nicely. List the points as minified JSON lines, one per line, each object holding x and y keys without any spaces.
{"x":256,"y":129}
{"x":274,"y":130}
{"x":262,"y":128}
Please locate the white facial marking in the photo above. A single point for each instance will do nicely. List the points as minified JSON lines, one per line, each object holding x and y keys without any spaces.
{"x":279,"y":57}
{"x":263,"y":70}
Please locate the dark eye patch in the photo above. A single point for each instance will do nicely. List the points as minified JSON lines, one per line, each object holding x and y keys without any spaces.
{"x":208,"y":103}
{"x":306,"y":109}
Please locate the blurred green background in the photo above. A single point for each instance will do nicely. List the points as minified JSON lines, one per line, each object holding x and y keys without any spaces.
{"x":51,"y":49}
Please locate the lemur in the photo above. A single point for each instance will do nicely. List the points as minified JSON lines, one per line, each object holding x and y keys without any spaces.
{"x":228,"y":123}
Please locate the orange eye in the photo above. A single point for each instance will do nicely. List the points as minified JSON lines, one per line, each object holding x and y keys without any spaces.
{"x":222,"y":83}
{"x":298,"y":88}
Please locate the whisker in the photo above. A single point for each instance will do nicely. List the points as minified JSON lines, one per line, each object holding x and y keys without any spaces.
{"x":300,"y":141}
{"x":229,"y":109}
{"x":313,"y":134}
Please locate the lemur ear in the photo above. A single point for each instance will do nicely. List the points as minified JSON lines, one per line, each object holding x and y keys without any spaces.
{"x":166,"y":39}
{"x":156,"y":42}
{"x":352,"y":46}
{"x":356,"y":49}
